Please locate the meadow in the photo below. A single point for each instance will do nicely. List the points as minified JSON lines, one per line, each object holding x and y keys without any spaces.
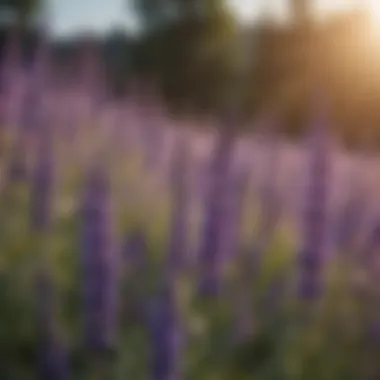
{"x":134,"y":246}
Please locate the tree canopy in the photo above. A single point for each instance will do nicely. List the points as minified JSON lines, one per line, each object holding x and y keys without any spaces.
{"x":188,"y":48}
{"x":22,"y":10}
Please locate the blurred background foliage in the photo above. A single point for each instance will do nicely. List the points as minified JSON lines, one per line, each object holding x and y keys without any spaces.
{"x":199,"y":56}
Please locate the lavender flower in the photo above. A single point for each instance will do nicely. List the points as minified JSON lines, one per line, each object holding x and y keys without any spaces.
{"x":166,"y":337}
{"x":210,"y":260}
{"x":315,"y":220}
{"x":99,"y":265}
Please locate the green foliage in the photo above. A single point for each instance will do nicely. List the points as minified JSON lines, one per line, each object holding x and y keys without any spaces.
{"x":23,"y":9}
{"x":189,"y":55}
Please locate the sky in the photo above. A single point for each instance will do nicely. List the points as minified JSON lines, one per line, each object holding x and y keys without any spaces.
{"x":71,"y":16}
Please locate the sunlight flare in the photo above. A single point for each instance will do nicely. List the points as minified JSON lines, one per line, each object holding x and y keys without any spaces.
{"x":374,"y":8}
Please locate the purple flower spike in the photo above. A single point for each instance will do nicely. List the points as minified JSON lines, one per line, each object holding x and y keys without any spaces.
{"x":315,"y":219}
{"x":210,"y":259}
{"x":166,"y":337}
{"x":99,"y":265}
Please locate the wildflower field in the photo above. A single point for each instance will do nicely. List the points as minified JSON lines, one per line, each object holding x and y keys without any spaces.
{"x":134,"y":247}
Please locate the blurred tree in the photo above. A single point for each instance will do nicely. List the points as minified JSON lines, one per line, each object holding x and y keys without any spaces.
{"x":189,"y":49}
{"x":19,"y":20}
{"x":117,"y":49}
{"x":20,"y":11}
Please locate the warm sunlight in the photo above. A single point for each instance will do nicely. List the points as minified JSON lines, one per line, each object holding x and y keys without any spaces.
{"x":374,"y":7}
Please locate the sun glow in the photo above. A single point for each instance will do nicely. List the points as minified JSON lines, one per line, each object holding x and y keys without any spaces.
{"x":374,"y":8}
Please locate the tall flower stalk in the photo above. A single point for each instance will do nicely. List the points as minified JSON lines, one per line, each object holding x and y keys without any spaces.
{"x":315,"y":219}
{"x":164,"y":318}
{"x":52,"y":354}
{"x":166,"y":335}
{"x":210,"y":260}
{"x":99,"y":272}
